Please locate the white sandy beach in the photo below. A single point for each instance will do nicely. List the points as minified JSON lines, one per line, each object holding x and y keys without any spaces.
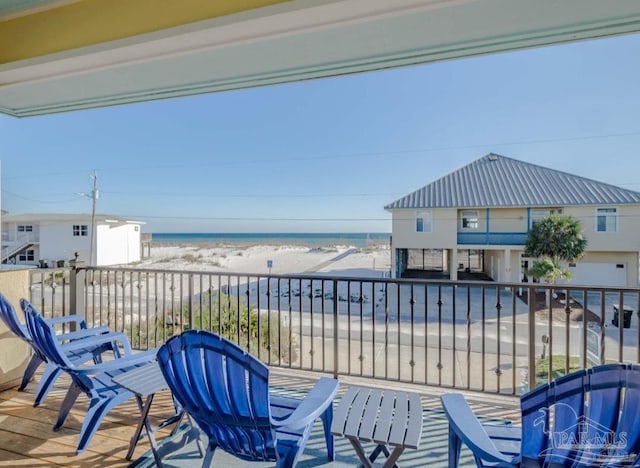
{"x":369,"y":261}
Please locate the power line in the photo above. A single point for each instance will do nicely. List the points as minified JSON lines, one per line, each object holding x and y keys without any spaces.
{"x":238,"y":161}
{"x":6,"y":192}
{"x":256,"y":195}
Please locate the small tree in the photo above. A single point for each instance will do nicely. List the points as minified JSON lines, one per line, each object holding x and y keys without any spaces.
{"x":554,"y":240}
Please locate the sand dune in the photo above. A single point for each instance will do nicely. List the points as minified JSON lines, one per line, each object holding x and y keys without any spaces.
{"x":370,"y":261}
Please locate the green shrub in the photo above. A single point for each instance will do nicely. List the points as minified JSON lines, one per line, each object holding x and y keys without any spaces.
{"x":557,"y":367}
{"x":223,"y":314}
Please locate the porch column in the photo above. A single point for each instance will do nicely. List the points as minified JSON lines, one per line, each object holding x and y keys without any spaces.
{"x":453,"y":264}
{"x":507,"y":265}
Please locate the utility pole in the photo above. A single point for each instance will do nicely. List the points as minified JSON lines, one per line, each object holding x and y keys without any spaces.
{"x":94,"y":198}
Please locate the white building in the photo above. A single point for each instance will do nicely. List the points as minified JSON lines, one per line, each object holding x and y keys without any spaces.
{"x":55,"y":239}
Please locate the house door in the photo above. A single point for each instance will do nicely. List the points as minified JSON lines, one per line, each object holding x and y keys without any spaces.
{"x":524,"y":269}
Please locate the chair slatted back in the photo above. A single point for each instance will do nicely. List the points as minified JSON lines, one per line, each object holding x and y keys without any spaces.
{"x":9,"y":317}
{"x":224,"y":389}
{"x":44,"y":338}
{"x":588,"y":417}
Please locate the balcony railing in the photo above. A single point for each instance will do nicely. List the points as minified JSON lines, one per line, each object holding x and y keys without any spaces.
{"x":481,"y":336}
{"x":492,"y":238}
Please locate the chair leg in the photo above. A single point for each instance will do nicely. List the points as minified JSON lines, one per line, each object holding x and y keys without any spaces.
{"x":288,"y":460}
{"x":327,"y":418}
{"x":92,"y":420}
{"x":67,"y":404}
{"x":208,"y":456}
{"x":455,"y":444}
{"x":49,"y":377}
{"x":31,"y":369}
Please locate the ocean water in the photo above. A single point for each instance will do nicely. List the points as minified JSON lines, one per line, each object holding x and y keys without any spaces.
{"x":359,"y":239}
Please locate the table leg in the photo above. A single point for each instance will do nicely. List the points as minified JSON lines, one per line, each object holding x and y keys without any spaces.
{"x":152,"y":439}
{"x":144,"y":412}
{"x":383,"y":448}
{"x":144,"y":422}
{"x":380,"y":448}
{"x":366,"y":463}
{"x":393,"y":458}
{"x":199,"y":439}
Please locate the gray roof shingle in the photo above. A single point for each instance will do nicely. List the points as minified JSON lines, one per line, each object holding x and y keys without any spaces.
{"x":499,"y":181}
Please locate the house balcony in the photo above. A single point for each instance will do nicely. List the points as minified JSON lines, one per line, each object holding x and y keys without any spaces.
{"x":26,"y":437}
{"x":486,"y":339}
{"x":492,"y":238}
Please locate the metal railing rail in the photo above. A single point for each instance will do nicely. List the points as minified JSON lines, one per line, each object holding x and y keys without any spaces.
{"x":484,"y":336}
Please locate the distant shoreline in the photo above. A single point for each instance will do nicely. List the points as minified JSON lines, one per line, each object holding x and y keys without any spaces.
{"x":278,"y":239}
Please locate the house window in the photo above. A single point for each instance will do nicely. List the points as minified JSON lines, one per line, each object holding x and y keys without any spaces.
{"x":538,"y":214}
{"x":136,"y":228}
{"x":80,"y":230}
{"x":27,"y":256}
{"x":423,"y":221}
{"x":469,"y":219}
{"x":606,"y":219}
{"x":25,"y":228}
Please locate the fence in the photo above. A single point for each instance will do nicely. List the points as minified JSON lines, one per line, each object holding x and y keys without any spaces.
{"x":486,"y":336}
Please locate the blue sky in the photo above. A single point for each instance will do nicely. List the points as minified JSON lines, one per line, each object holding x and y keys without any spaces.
{"x":327,"y":155}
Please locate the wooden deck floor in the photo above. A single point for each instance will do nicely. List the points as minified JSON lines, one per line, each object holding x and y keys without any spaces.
{"x":26,"y":437}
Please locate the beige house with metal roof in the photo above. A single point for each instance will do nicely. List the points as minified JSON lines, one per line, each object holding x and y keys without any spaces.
{"x":50,"y":239}
{"x":474,"y":223}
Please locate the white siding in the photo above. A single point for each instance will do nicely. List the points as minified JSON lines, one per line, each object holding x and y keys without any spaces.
{"x":118,"y":244}
{"x":57,"y":242}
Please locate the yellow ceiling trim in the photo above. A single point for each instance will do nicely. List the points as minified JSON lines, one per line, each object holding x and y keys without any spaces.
{"x":91,"y":22}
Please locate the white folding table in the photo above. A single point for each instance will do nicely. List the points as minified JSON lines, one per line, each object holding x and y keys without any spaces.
{"x":386,"y":417}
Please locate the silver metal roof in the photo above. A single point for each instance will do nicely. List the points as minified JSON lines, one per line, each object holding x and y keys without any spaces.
{"x":499,"y":181}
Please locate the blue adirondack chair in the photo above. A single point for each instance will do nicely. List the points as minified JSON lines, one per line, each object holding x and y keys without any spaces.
{"x":226,"y":391}
{"x":95,"y":381}
{"x":587,"y":418}
{"x":52,"y":372}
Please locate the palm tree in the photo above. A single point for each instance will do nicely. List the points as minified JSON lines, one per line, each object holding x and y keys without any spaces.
{"x":554,"y":240}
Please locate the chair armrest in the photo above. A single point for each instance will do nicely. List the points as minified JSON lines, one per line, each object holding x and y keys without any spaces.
{"x":467,"y":427}
{"x":84,"y":333}
{"x":98,"y":340}
{"x":121,"y":363}
{"x":67,"y":319}
{"x":312,"y":406}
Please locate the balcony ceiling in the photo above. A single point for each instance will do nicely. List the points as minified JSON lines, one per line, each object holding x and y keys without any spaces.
{"x":59,"y":55}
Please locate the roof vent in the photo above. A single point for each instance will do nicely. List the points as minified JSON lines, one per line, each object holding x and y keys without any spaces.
{"x":492,"y":157}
